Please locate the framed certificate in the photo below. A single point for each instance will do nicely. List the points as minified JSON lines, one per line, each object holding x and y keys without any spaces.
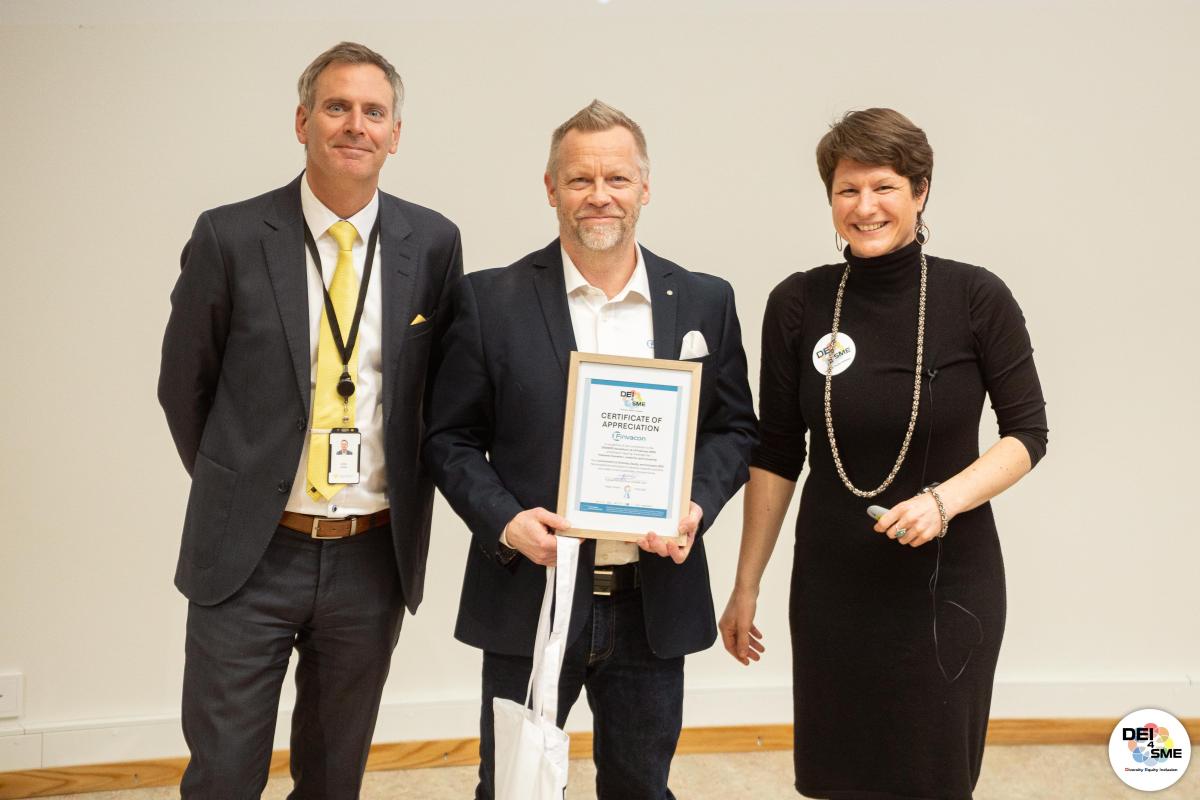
{"x":628,"y":445}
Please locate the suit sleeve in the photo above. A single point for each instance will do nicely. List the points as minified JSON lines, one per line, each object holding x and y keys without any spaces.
{"x":460,"y":425}
{"x":194,"y":342}
{"x":727,"y":432}
{"x":441,"y":319}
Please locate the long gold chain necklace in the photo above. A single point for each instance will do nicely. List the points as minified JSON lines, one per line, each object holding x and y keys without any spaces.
{"x":912,"y":421}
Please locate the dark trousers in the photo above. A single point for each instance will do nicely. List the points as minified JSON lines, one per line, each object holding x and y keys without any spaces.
{"x":636,"y":700}
{"x":338,"y":603}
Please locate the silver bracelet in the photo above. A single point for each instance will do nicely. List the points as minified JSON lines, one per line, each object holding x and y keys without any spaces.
{"x":937,"y":498}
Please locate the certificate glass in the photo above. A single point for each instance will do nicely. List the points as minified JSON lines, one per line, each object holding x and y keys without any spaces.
{"x":628,"y":445}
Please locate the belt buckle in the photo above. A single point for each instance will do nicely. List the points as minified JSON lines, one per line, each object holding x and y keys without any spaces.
{"x":316,"y":527}
{"x":602,"y":582}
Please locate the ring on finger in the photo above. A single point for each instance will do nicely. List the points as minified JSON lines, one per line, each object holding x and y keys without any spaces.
{"x":900,"y":533}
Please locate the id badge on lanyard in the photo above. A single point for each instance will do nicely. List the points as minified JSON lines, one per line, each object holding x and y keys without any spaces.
{"x":345,"y":455}
{"x":345,"y":444}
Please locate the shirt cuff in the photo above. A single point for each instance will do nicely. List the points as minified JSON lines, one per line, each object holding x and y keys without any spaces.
{"x":505,"y":553}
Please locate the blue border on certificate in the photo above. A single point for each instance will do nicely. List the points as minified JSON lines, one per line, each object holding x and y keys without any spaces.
{"x":629,"y":511}
{"x":675,"y":447}
{"x":636,"y":511}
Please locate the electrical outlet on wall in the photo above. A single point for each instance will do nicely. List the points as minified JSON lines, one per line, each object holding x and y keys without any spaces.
{"x":10,"y":695}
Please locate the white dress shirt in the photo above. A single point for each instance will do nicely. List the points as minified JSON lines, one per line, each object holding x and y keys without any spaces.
{"x":622,"y":326}
{"x":370,"y":493}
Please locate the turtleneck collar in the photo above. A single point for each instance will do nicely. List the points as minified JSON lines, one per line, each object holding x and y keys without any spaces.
{"x":894,"y":267}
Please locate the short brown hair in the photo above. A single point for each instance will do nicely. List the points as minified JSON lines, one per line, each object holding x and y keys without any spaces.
{"x":879,"y":137}
{"x":593,"y":118}
{"x":348,"y":53}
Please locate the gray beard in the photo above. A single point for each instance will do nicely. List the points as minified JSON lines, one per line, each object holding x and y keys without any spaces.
{"x":600,"y":239}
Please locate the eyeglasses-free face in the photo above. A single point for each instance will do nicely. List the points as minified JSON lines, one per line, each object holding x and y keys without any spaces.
{"x":599,"y":190}
{"x":874,"y":209}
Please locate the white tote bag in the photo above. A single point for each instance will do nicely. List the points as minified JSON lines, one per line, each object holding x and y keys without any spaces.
{"x":531,"y":751}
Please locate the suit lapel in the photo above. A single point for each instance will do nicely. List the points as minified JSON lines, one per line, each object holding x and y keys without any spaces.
{"x":399,"y":257}
{"x":552,"y":295}
{"x":664,"y":303}
{"x":283,"y":248}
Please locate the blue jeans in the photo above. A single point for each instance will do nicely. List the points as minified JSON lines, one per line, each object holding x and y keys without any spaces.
{"x":636,"y":700}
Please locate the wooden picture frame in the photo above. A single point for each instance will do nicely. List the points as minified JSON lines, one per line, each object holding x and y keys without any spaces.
{"x":629,"y":443}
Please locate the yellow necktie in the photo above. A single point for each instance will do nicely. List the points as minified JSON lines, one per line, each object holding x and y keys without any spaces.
{"x":330,"y":410}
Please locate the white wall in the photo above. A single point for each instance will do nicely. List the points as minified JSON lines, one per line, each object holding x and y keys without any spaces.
{"x":1066,"y":162}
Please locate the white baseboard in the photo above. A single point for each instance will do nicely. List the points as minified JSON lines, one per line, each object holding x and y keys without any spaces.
{"x":30,"y":745}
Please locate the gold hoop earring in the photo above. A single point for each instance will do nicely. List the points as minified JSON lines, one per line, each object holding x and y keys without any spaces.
{"x":922,"y":233}
{"x":838,"y":244}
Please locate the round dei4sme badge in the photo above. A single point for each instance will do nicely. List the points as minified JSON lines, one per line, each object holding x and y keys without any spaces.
{"x":843,"y":354}
{"x":1149,"y":750}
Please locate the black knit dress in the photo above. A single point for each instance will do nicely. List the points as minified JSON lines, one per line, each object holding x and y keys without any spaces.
{"x":882,"y":709}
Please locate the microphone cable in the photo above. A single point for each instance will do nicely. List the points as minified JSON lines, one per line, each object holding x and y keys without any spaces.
{"x":937,"y":567}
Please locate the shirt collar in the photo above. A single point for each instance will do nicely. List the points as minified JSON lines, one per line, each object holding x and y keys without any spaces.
{"x":319,"y":217}
{"x":638,"y":282}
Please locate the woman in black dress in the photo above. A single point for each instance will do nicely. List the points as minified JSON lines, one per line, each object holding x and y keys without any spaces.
{"x":885,"y":361}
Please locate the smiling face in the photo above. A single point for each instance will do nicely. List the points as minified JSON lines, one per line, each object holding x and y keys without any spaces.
{"x":874,"y":208}
{"x":598,"y":190}
{"x":349,"y":131}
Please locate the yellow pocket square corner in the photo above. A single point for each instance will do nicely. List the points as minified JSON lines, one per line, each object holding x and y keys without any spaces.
{"x":417,"y":320}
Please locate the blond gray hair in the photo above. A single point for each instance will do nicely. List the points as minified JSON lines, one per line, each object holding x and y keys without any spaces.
{"x":595,"y":117}
{"x":348,"y":53}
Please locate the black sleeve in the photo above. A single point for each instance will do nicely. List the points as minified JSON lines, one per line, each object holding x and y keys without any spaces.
{"x":727,"y":432}
{"x":442,"y":316}
{"x":460,"y":428}
{"x":194,"y":342}
{"x":781,"y":426}
{"x":1006,"y":359}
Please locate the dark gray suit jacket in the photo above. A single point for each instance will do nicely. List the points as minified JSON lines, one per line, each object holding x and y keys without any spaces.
{"x":495,"y":437}
{"x":235,"y":378}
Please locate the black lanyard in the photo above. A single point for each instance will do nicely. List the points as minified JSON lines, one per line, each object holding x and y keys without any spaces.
{"x":345,"y":347}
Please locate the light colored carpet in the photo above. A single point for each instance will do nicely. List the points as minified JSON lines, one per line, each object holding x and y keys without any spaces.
{"x":1058,"y":772}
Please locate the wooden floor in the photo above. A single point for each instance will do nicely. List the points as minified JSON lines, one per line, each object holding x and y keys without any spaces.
{"x":1029,"y":772}
{"x":1026,"y":758}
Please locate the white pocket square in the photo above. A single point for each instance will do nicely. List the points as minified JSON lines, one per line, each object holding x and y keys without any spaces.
{"x":693,"y":346}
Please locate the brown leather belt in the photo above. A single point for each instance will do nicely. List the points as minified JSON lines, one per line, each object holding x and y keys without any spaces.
{"x":609,"y":580}
{"x":332,"y":528}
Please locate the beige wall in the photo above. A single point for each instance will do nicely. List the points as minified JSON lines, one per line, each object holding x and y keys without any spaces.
{"x":1066,"y":163}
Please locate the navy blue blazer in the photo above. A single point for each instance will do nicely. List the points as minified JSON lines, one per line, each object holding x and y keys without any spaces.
{"x":494,"y":440}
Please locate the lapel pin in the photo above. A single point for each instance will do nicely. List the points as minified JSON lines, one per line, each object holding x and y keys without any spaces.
{"x":670,"y":292}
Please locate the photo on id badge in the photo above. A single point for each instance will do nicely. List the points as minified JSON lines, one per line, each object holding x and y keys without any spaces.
{"x":344,"y":455}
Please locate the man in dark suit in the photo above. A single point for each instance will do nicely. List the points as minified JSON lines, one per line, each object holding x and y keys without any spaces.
{"x":494,"y":443}
{"x":273,"y":351}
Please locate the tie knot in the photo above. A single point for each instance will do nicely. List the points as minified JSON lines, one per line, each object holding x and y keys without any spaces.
{"x":343,"y":233}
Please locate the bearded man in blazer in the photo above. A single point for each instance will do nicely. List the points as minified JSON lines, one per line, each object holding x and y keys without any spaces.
{"x":273,"y":556}
{"x":494,"y":442}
